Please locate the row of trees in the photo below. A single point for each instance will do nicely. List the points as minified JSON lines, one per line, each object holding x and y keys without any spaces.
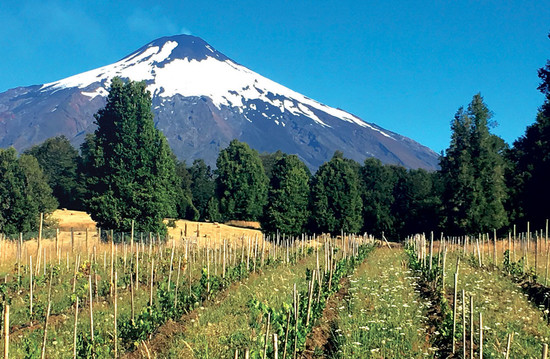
{"x":126,"y":172}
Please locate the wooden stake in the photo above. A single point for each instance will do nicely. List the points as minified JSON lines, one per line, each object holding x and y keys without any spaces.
{"x":463,"y":324}
{"x":137,"y":267}
{"x":480,"y":335}
{"x":471,"y":327}
{"x":116,"y":314}
{"x":544,"y":351}
{"x":431,"y":250}
{"x":39,"y":247}
{"x":454,"y":311}
{"x":495,"y":259}
{"x":510,"y":335}
{"x":171,"y":264}
{"x":177,"y":283}
{"x":91,"y":302}
{"x":267,"y":334}
{"x":275,"y":347}
{"x":151,"y":283}
{"x":310,"y":295}
{"x":75,"y":327}
{"x":43,"y":355}
{"x":7,"y":329}
{"x":30,"y":294}
{"x":286,"y":333}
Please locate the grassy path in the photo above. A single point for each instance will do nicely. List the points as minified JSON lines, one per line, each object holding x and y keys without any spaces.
{"x":505,"y":308}
{"x":383,"y":316}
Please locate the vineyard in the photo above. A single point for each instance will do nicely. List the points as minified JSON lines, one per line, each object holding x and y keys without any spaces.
{"x":89,"y":293}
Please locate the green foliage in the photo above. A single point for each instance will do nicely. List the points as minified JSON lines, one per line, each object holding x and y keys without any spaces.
{"x":269,"y":160}
{"x":59,"y":160}
{"x":513,"y":268}
{"x":241,"y":183}
{"x":24,"y":193}
{"x":377,"y":184}
{"x":287,"y":209}
{"x":417,"y":202}
{"x":335,"y":198}
{"x":130,"y":172}
{"x":166,"y":307}
{"x":202,"y":188}
{"x":298,"y":319}
{"x":184,"y":202}
{"x":472,"y":171}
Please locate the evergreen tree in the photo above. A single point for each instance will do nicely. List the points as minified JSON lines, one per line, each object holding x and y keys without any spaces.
{"x":377,"y":186}
{"x":58,"y":159}
{"x":184,"y":202}
{"x":457,"y":174}
{"x":241,"y":183}
{"x":202,"y":187}
{"x":269,"y":160}
{"x":472,"y":171}
{"x":287,"y":209}
{"x":488,"y":163}
{"x":417,"y":202}
{"x":130,"y":171}
{"x":24,"y":193}
{"x":335,"y":198}
{"x":399,"y":210}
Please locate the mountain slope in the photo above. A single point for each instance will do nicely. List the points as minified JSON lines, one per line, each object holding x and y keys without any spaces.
{"x":202,"y":100}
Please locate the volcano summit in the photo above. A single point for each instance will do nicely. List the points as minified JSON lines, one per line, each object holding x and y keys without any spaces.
{"x":201,"y":101}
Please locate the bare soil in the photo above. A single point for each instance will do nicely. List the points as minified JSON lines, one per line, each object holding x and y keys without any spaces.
{"x":318,"y":341}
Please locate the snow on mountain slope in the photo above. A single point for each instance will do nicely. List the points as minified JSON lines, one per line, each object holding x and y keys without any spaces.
{"x":224,"y":81}
{"x":202,"y":100}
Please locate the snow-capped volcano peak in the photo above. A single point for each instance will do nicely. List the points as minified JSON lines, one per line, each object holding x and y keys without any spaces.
{"x":188,"y":66}
{"x":202,"y":100}
{"x":186,"y":47}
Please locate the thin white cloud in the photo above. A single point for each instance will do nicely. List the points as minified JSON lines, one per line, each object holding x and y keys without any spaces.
{"x":152,"y":22}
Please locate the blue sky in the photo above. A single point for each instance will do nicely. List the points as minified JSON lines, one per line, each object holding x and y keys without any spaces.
{"x":404,"y":65}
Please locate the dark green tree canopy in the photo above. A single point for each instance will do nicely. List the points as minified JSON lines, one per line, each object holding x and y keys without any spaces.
{"x":184,"y":203}
{"x":377,"y":185}
{"x":241,"y":183}
{"x":335,"y":198}
{"x":202,"y":187}
{"x":269,"y":160}
{"x":130,"y":168}
{"x":59,"y":160}
{"x":287,"y":208}
{"x":472,"y":171}
{"x":24,"y":193}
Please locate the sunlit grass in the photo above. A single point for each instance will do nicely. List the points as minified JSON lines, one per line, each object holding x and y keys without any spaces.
{"x":385,"y":316}
{"x":506,"y":310}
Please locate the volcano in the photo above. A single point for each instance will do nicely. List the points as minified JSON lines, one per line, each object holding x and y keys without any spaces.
{"x":202,"y":100}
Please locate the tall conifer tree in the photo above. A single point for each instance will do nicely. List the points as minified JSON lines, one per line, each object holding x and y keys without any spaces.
{"x":287,"y":208}
{"x":241,"y":183}
{"x":472,"y":171}
{"x":458,"y":176}
{"x":130,"y":168}
{"x":335,"y":198}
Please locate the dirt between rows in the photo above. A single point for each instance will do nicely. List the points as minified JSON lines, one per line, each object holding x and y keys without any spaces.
{"x":319,"y":340}
{"x":435,"y":319}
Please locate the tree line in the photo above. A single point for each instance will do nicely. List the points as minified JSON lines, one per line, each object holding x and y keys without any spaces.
{"x":125,"y":171}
